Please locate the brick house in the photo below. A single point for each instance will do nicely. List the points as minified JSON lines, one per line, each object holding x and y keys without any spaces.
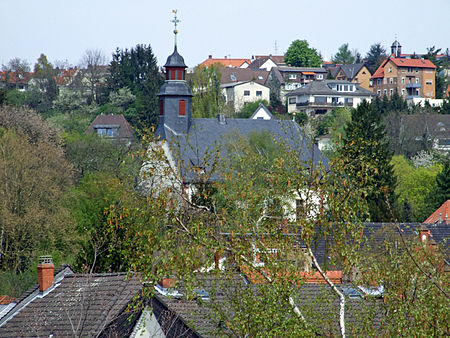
{"x":409,"y":77}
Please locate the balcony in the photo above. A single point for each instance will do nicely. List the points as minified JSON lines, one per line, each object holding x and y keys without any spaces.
{"x":413,"y":85}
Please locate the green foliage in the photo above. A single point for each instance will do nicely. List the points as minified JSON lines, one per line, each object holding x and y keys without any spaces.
{"x":249,"y":108}
{"x":301,"y":118}
{"x":205,"y":84}
{"x":33,"y":181}
{"x":367,"y":160}
{"x":344,"y":55}
{"x":103,"y":244}
{"x":44,"y":74}
{"x":375,"y":56}
{"x":414,"y":186}
{"x":137,"y":70}
{"x":299,"y":54}
{"x":442,"y":192}
{"x":91,"y":153}
{"x":415,"y":302}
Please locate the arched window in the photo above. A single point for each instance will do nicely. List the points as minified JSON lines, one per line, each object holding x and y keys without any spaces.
{"x":182,"y":108}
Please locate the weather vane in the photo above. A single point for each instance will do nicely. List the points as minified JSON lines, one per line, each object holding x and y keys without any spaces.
{"x":175,"y":22}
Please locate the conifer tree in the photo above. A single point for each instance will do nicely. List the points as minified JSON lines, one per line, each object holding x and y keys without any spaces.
{"x":367,"y":158}
{"x":442,"y":192}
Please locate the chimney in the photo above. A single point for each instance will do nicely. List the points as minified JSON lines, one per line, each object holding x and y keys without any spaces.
{"x":46,"y":271}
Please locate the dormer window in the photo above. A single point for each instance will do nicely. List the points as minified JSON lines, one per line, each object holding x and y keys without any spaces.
{"x":292,"y":76}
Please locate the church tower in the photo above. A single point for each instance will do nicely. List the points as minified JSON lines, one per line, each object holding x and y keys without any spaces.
{"x":175,"y":97}
{"x":396,"y":49}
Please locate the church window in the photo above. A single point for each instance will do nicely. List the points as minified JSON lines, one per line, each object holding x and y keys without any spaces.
{"x":182,"y":108}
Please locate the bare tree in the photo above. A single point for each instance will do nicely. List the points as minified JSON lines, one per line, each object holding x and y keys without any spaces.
{"x":92,"y":62}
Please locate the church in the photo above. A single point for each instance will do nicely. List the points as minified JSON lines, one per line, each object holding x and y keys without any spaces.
{"x":188,"y":142}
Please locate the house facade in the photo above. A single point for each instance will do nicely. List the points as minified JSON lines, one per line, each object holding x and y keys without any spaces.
{"x":239,"y":93}
{"x":283,"y":80}
{"x":320,"y":97}
{"x":410,"y":78}
{"x":356,"y":73}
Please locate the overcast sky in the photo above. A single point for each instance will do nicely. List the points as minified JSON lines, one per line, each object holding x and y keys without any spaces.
{"x":64,"y":29}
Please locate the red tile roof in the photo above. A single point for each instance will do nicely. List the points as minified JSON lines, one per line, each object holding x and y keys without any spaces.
{"x":400,"y":62}
{"x":226,"y":62}
{"x":5,"y":299}
{"x":441,"y":215}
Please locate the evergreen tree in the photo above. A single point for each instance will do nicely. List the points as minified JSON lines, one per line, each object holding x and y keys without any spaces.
{"x":344,"y":55}
{"x":442,"y":192}
{"x":367,"y":158}
{"x":137,"y":70}
{"x":375,"y":56}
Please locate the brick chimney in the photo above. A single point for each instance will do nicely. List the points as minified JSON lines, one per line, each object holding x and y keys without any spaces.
{"x":46,"y":271}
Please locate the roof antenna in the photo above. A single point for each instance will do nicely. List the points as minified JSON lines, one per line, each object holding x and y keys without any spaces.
{"x":175,"y":22}
{"x":276,"y":47}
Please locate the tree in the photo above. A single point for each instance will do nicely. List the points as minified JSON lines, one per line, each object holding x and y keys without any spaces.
{"x":414,"y":188}
{"x":249,"y":108}
{"x":442,"y":192}
{"x":34,"y":177}
{"x":367,"y":158}
{"x":375,"y":56}
{"x":44,"y":74}
{"x":93,"y":62}
{"x":137,"y":70}
{"x":17,"y":65}
{"x":344,"y":55}
{"x":299,"y":54}
{"x":205,"y":84}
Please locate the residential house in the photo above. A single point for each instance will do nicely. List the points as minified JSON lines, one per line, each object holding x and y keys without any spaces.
{"x":65,"y":304}
{"x":15,"y":80}
{"x":239,"y":93}
{"x":283,"y":80}
{"x":408,"y":77}
{"x":114,"y":127}
{"x":229,"y":75}
{"x":441,"y":215}
{"x":261,"y":113}
{"x":320,"y":97}
{"x":267,"y":62}
{"x":226,"y":62}
{"x":425,"y":132}
{"x":356,"y":73}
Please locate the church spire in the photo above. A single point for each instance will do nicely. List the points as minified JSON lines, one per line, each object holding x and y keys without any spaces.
{"x":175,"y":23}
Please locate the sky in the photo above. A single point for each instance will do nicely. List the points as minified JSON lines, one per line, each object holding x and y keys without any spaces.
{"x":64,"y":29}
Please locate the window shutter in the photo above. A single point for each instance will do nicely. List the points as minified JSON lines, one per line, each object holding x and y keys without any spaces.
{"x":182,"y":108}
{"x":161,"y":107}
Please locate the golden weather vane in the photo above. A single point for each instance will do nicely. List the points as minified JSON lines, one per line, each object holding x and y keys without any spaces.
{"x":175,"y":22}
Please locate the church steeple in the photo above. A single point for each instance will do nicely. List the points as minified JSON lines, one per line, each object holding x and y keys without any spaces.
{"x":396,"y":48}
{"x":175,"y":97}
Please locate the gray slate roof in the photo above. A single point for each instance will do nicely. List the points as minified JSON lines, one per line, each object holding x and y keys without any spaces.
{"x":316,"y":301}
{"x":323,"y":88}
{"x":351,"y":70}
{"x":205,"y":135}
{"x":175,"y":60}
{"x":104,"y":121}
{"x":229,"y":75}
{"x":92,"y":303}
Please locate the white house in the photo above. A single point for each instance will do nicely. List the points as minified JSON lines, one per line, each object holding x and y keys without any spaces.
{"x":262,"y":113}
{"x":320,"y":97}
{"x":238,"y":93}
